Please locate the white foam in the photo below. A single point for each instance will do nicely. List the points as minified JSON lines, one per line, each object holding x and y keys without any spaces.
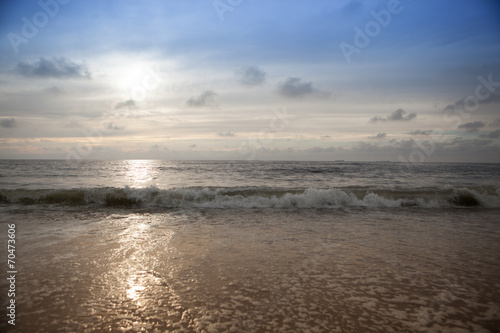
{"x":262,"y":197}
{"x":281,"y":198}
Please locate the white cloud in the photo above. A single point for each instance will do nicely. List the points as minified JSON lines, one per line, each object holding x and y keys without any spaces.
{"x":229,"y":134}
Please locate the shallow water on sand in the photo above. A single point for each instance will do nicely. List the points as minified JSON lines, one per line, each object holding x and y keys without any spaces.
{"x":256,"y":270}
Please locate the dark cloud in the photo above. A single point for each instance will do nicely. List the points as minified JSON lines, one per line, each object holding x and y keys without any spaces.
{"x":251,"y":76}
{"x":295,"y":87}
{"x":55,"y":90}
{"x":450,"y":150}
{"x":461,"y":143}
{"x":460,"y":104}
{"x":494,"y":98}
{"x":129,"y":104}
{"x":322,"y":150}
{"x":207,"y":98}
{"x":472,"y":126}
{"x":495,"y":123}
{"x":226,"y":134}
{"x":8,"y":123}
{"x":379,"y":136}
{"x":492,"y":135}
{"x":324,"y":137}
{"x":59,"y":68}
{"x":398,"y":115}
{"x":113,"y":127}
{"x":420,"y":132}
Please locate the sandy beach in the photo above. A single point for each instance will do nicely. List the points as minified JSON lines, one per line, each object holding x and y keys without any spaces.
{"x":257,"y":271}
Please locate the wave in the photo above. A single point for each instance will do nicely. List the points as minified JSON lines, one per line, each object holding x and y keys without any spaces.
{"x":257,"y":197}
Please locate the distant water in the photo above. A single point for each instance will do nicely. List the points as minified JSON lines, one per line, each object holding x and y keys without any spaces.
{"x":238,"y":246}
{"x":255,"y":184}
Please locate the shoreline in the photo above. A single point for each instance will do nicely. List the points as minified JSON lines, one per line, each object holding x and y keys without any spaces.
{"x":190,"y":270}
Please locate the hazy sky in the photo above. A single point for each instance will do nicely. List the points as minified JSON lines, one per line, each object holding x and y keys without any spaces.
{"x":251,"y":79}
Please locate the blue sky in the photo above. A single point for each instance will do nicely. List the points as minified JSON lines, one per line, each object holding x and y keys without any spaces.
{"x":239,"y":79}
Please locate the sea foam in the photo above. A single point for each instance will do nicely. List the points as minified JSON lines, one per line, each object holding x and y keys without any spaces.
{"x":258,"y":197}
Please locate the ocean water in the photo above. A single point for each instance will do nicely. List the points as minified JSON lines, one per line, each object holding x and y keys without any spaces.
{"x":250,"y":246}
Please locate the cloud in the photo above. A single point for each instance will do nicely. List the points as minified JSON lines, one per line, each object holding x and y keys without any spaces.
{"x":494,"y":98}
{"x":8,"y":123}
{"x":59,"y":68}
{"x":492,"y":135}
{"x":322,"y":150}
{"x":398,"y":115}
{"x":495,"y":123}
{"x":382,"y":151}
{"x":472,"y":126}
{"x":352,"y":8}
{"x":55,"y":90}
{"x":207,"y":98}
{"x":460,"y":104}
{"x":129,"y":104}
{"x":324,"y":137}
{"x":420,"y":132}
{"x":251,"y":76}
{"x":379,"y":136}
{"x":113,"y":127}
{"x":73,"y":124}
{"x":294,"y":87}
{"x":226,"y":134}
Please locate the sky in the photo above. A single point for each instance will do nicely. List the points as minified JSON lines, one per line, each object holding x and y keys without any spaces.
{"x":360,"y":80}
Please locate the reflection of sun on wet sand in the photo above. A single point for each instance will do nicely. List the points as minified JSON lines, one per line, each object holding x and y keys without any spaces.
{"x":226,"y":270}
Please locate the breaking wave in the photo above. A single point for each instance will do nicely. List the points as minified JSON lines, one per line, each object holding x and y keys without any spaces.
{"x":257,"y":197}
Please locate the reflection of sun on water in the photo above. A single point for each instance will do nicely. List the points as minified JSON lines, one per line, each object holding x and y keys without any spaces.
{"x":135,"y":238}
{"x":141,"y":243}
{"x":135,"y":287}
{"x":140,"y":171}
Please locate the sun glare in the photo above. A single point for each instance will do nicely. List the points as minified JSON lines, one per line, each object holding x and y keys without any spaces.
{"x":140,"y":172}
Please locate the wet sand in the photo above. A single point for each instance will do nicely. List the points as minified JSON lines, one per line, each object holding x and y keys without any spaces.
{"x":403,"y":270}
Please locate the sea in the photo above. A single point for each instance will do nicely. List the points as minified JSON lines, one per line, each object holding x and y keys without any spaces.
{"x":249,"y":246}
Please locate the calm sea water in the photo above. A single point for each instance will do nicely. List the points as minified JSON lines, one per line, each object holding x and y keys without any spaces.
{"x":248,"y":184}
{"x":60,"y":174}
{"x":211,"y":246}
